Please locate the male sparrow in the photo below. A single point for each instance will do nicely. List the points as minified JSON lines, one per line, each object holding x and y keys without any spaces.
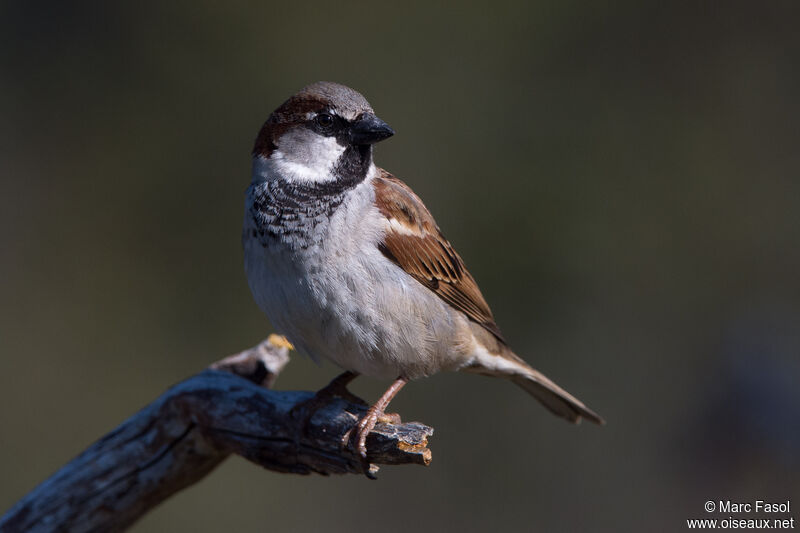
{"x":348,"y":263}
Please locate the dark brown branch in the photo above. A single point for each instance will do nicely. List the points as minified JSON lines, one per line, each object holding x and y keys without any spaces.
{"x":190,"y":429}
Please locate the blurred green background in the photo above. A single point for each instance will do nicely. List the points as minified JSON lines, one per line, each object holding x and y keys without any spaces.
{"x":623,"y":180}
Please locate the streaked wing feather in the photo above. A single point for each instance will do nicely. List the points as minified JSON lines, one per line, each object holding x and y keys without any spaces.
{"x":418,"y":247}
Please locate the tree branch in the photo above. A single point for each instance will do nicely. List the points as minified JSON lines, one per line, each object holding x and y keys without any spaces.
{"x":191,"y":428}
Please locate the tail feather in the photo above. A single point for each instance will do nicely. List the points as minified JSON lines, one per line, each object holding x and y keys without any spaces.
{"x":554,"y":398}
{"x":493,"y":357}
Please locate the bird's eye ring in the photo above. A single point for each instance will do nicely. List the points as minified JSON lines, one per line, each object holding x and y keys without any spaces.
{"x":325,"y":120}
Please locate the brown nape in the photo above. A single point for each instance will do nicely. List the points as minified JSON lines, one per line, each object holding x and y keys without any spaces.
{"x":265,"y":145}
{"x":291,"y":113}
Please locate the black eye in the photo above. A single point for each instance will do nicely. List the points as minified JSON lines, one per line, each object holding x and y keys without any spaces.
{"x":325,"y":120}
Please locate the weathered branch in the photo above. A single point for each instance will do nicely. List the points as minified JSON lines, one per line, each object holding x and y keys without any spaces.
{"x":191,"y":428}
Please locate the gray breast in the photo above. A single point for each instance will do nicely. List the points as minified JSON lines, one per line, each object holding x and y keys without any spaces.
{"x":292,"y":215}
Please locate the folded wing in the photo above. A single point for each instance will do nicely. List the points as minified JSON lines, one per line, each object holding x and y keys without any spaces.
{"x":414,"y":242}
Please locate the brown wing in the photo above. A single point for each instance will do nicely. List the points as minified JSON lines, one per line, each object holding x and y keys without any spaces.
{"x":413,"y":241}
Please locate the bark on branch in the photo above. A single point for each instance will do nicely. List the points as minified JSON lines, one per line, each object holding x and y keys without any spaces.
{"x":195,"y":425}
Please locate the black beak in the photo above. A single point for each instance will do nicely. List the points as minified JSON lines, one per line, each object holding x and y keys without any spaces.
{"x":369,"y":129}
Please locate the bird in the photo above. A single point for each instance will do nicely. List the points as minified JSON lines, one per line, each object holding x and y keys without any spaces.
{"x":348,"y":263}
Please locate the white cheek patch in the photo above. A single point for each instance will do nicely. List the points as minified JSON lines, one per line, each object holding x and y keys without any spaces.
{"x":303,"y":155}
{"x":305,"y":172}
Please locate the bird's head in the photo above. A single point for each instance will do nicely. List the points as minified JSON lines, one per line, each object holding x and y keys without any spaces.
{"x":323,"y":133}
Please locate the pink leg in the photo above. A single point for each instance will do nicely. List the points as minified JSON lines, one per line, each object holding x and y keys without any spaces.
{"x":366,"y":424}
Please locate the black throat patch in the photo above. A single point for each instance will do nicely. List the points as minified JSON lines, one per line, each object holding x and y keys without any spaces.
{"x":297,"y":214}
{"x":353,"y":165}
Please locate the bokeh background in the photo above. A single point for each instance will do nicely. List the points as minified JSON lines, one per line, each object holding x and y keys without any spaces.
{"x":623,"y":180}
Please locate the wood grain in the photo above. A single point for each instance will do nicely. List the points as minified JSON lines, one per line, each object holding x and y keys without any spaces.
{"x":191,"y":428}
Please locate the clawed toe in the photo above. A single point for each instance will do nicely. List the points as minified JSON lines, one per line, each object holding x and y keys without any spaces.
{"x":367,"y":423}
{"x":363,"y":428}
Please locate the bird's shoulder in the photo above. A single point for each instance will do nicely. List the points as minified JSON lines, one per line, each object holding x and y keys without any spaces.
{"x":414,"y":242}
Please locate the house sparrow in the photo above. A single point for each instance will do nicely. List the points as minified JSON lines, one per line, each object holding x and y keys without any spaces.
{"x":348,"y":263}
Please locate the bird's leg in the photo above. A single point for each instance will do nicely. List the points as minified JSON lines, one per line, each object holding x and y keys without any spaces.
{"x":367,"y":423}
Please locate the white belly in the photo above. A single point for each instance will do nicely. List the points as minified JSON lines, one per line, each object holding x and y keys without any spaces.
{"x":344,"y":301}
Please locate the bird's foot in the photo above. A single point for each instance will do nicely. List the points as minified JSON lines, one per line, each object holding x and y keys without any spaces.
{"x":358,"y":436}
{"x":367,"y":424}
{"x":363,"y":428}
